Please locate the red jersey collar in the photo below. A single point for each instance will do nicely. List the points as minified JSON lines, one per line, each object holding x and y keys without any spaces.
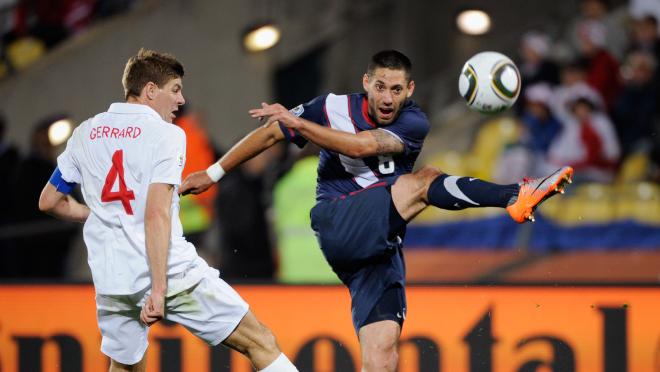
{"x":365,"y":111}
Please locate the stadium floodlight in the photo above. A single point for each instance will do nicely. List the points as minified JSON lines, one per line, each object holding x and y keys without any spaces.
{"x":261,"y":37}
{"x":473,"y":22}
{"x":60,"y":131}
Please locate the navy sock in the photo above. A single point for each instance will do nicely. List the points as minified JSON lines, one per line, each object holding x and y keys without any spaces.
{"x":452,"y":192}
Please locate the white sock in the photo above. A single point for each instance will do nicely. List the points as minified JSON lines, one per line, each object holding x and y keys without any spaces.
{"x":281,"y":364}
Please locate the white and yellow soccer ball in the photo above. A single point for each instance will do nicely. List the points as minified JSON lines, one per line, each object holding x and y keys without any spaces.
{"x":489,"y":82}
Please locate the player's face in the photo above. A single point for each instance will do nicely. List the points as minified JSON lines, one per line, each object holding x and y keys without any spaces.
{"x":166,"y":100}
{"x":387,"y":91}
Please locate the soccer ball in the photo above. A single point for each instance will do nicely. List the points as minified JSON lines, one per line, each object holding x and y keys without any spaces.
{"x":489,"y":82}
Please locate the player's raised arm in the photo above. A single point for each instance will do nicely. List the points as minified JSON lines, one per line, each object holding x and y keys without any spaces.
{"x":360,"y":145}
{"x":356,"y":145}
{"x":56,"y":201}
{"x":250,"y":146}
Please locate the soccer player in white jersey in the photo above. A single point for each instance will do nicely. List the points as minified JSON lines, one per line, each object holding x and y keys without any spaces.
{"x":128,"y":162}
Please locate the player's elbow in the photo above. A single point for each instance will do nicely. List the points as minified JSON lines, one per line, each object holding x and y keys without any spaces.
{"x":46,"y":205}
{"x":157,"y":213}
{"x":356,"y":153}
{"x":272,"y":134}
{"x":48,"y":199}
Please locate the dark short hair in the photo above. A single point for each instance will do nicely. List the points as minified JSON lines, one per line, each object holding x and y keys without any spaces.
{"x":585,"y":101}
{"x":649,"y":18}
{"x":578,"y":64}
{"x":606,"y":3}
{"x":149,"y":66}
{"x":392,"y":59}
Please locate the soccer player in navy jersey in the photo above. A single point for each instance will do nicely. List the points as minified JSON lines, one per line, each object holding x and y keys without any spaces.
{"x":367,"y":190}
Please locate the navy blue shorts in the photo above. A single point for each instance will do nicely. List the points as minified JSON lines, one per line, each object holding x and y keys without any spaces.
{"x":390,"y":306}
{"x":355,"y":235}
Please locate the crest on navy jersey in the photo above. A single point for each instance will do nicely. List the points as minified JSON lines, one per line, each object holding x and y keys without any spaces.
{"x":298,"y":110}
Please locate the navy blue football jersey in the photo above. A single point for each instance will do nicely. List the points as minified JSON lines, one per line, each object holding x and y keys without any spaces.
{"x":339,"y":174}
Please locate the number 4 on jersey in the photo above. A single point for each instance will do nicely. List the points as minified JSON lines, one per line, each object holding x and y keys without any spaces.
{"x":124,"y":194}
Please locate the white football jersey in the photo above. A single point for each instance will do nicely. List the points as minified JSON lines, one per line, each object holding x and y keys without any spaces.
{"x":115,"y":156}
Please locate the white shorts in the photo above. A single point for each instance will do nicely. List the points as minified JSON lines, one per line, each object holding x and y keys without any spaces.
{"x":211,"y":310}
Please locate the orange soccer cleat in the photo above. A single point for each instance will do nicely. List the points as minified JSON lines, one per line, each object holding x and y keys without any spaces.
{"x":535,"y":191}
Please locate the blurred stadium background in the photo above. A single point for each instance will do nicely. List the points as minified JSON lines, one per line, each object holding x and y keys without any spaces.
{"x":576,"y":291}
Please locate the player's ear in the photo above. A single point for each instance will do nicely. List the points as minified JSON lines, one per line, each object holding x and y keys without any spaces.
{"x":365,"y":82}
{"x":411,"y":88}
{"x":150,"y":90}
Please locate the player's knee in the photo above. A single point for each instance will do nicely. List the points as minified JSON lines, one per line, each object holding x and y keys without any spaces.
{"x":420,"y":178}
{"x":423,"y":178}
{"x":382,"y":356}
{"x":428,"y":173}
{"x":382,"y":353}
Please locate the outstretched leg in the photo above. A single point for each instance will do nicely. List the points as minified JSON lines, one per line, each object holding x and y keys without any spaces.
{"x":411,"y":193}
{"x":257,"y":343}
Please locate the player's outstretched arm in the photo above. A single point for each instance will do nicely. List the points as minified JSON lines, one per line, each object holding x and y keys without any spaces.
{"x":250,"y":146}
{"x":157,"y":229}
{"x":360,"y":145}
{"x":61,"y":205}
{"x":363,"y":144}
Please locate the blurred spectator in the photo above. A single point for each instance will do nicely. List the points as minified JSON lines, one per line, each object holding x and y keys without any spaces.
{"x":540,"y":125}
{"x":527,"y":155}
{"x":51,"y":21}
{"x":636,"y":108}
{"x":42,"y":252}
{"x":300,"y":259}
{"x":645,"y":36}
{"x":573,"y":75}
{"x":640,"y":8}
{"x":612,"y":22}
{"x":196,"y":211}
{"x":535,"y":66}
{"x":246,"y":236}
{"x":30,"y":27}
{"x":602,"y":69}
{"x":587,"y":140}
